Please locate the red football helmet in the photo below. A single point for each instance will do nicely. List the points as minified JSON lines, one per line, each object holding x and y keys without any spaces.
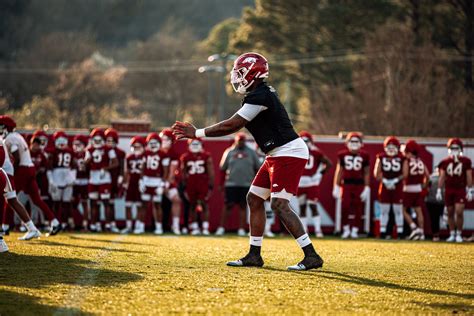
{"x":240,"y":136}
{"x":411,"y":146}
{"x":98,"y":137}
{"x":167,"y":138}
{"x":41,"y":136}
{"x":138,"y":143}
{"x":2,"y":155}
{"x":391,"y":145}
{"x":60,"y":139}
{"x":111,"y":136}
{"x":153,"y":141}
{"x":247,"y":68}
{"x":455,"y":147}
{"x":354,"y":141}
{"x":79,"y":142}
{"x":195,"y":145}
{"x":455,"y":141}
{"x":306,"y":136}
{"x":7,"y":125}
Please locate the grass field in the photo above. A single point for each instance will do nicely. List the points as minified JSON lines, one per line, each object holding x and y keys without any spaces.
{"x":114,"y":274}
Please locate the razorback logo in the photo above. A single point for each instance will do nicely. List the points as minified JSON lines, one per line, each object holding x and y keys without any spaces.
{"x":250,"y":60}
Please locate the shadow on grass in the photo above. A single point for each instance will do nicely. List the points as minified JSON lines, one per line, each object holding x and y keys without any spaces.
{"x":110,"y":240}
{"x":31,"y":271}
{"x":49,"y":242}
{"x":12,"y":303}
{"x":452,"y":307}
{"x":344,"y":277}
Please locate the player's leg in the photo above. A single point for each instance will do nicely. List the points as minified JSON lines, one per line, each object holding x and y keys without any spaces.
{"x":242,"y":206}
{"x":205,"y":217}
{"x":158,"y":215}
{"x":32,"y":231}
{"x":398,"y":212}
{"x":230,"y":202}
{"x":128,"y":218}
{"x":173,"y":196}
{"x":346,"y":210}
{"x":384,"y":216}
{"x":313,"y":206}
{"x":459,"y":210}
{"x":302,"y":201}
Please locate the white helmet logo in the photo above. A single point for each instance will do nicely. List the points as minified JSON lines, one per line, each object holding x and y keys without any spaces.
{"x":250,"y":60}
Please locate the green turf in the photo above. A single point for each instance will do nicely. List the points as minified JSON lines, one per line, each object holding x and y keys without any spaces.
{"x":113,"y":274}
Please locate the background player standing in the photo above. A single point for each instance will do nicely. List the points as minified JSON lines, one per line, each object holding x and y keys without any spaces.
{"x":388,"y":171}
{"x":352,"y":177}
{"x":198,"y":177}
{"x":267,"y":120}
{"x":455,"y":173}
{"x":116,"y":174}
{"x":80,"y":192}
{"x":308,"y":189}
{"x":133,"y":172}
{"x":415,"y":175}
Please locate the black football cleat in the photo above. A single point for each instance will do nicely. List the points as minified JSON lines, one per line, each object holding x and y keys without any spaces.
{"x":54,"y":230}
{"x":308,"y":263}
{"x":247,"y":261}
{"x":5,"y":232}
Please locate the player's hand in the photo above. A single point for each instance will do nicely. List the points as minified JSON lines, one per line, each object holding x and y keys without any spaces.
{"x":470,"y":194}
{"x":336,"y":191}
{"x":317,"y":178}
{"x":141,"y":186}
{"x":364,"y":196}
{"x":439,"y":195}
{"x":183,"y":130}
{"x":102,"y":174}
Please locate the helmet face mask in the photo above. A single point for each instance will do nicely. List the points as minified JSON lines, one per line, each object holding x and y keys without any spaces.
{"x":60,"y":142}
{"x":308,"y":142}
{"x":97,"y":142}
{"x":195,"y":146}
{"x":137,"y":149}
{"x":110,"y":141}
{"x":248,"y":67}
{"x":455,"y":151}
{"x":238,"y":81}
{"x":166,"y":142}
{"x":3,"y":131}
{"x":154,"y":145}
{"x":391,"y":150}
{"x":354,"y":144}
{"x":78,"y":146}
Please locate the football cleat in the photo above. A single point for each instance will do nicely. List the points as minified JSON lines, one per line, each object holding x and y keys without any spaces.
{"x":415,"y":235}
{"x":247,"y":261}
{"x":176,"y":230}
{"x":184,"y":231}
{"x":139,"y":230}
{"x":54,"y":230}
{"x":3,"y":245}
{"x":158,"y":231}
{"x":30,"y":235}
{"x":346,"y":234}
{"x":220,"y":231}
{"x":196,"y":232}
{"x":114,"y":229}
{"x":206,"y":232}
{"x":269,"y":234}
{"x":308,"y":263}
{"x":126,"y":231}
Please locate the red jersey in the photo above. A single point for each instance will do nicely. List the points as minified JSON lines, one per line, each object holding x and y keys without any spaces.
{"x":40,"y":161}
{"x":392,"y":166}
{"x":134,"y":165}
{"x":416,"y":171}
{"x":314,"y":160}
{"x":116,"y":172}
{"x":196,"y":166}
{"x":155,"y":163}
{"x":456,"y":171}
{"x":100,"y":157}
{"x":80,"y":166}
{"x":62,"y":158}
{"x":353,"y":165}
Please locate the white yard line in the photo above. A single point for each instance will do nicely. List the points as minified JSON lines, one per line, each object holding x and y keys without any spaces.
{"x":76,"y":296}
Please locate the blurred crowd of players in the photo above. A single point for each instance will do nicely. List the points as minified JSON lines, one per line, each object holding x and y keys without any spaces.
{"x":88,"y":172}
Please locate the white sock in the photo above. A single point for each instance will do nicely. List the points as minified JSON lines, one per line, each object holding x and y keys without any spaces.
{"x":452,"y":232}
{"x":304,"y":221}
{"x":194,"y":225}
{"x":5,"y":226}
{"x":303,"y":240}
{"x":129,"y":224}
{"x":346,"y":228}
{"x":158,"y":225}
{"x":459,"y":233}
{"x":54,"y":222}
{"x":317,"y":223}
{"x":355,"y":230}
{"x":256,"y":241}
{"x":30,"y":226}
{"x":176,"y":221}
{"x":205,"y":225}
{"x":413,"y":226}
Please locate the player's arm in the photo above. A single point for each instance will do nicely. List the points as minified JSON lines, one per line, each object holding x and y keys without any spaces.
{"x":367,"y":176}
{"x":113,"y":163}
{"x":378,"y":170}
{"x":338,"y":175}
{"x":326,"y":162}
{"x":426,"y":176}
{"x":172,"y":170}
{"x":16,"y":158}
{"x":405,"y":169}
{"x":226,"y":127}
{"x":126,"y":175}
{"x":469,"y":178}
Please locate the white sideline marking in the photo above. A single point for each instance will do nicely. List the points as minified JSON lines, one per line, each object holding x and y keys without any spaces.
{"x":78,"y":293}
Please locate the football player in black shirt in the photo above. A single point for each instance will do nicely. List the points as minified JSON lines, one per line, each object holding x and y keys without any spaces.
{"x":267,"y":120}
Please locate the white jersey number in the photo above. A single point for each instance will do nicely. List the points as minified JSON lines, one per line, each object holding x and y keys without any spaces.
{"x":416,"y":167}
{"x":196,"y":167}
{"x":64,"y":160}
{"x":394,"y":164}
{"x":353,"y":163}
{"x":452,"y":170}
{"x":97,"y":156}
{"x":152,"y":162}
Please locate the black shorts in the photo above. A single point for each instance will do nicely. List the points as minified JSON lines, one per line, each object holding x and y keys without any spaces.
{"x":236,"y":195}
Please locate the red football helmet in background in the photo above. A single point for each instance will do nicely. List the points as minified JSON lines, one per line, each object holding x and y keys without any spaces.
{"x":455,"y":147}
{"x":60,"y":139}
{"x":138,"y":144}
{"x":167,"y":138}
{"x":111,"y":136}
{"x":411,"y":146}
{"x":153,"y":141}
{"x":354,"y":141}
{"x":391,"y":145}
{"x":79,"y":142}
{"x":98,"y":137}
{"x":41,"y":136}
{"x":247,"y":68}
{"x":7,"y":125}
{"x":195,"y":145}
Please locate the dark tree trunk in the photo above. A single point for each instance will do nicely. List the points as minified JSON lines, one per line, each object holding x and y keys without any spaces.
{"x":469,"y":42}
